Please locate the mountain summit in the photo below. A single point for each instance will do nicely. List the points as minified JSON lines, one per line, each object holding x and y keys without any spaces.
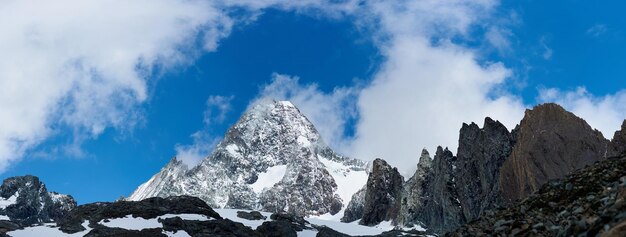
{"x":273,"y":159}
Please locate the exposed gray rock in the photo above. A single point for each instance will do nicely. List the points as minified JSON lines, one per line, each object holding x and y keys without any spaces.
{"x":382,"y":195}
{"x":415,"y":192}
{"x":551,"y":143}
{"x":441,"y":209}
{"x":27,"y":201}
{"x":480,"y":156}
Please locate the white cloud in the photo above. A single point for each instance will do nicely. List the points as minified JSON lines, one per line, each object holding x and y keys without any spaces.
{"x":423,"y":91}
{"x":84,"y":65}
{"x":605,"y":113}
{"x":204,"y":140}
{"x":421,"y":97}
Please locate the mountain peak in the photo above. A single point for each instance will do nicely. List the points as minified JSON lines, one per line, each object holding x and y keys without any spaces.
{"x":272,"y":159}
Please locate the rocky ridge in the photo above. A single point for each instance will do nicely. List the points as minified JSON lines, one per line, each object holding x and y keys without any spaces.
{"x":494,"y":167}
{"x":24,"y":200}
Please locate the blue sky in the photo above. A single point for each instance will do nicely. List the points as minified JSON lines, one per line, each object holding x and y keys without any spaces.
{"x":339,"y":66}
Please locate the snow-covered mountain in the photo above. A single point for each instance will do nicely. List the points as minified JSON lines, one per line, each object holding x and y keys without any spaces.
{"x":273,"y":159}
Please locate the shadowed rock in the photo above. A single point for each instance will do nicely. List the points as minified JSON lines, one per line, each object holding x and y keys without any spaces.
{"x":382,"y":196}
{"x":480,"y":156}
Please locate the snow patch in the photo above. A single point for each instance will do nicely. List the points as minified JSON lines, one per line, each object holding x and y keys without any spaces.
{"x":268,"y":178}
{"x":303,"y":141}
{"x":180,"y":233}
{"x":231,"y":214}
{"x":348,"y":183}
{"x":137,"y":223}
{"x":9,"y":201}
{"x":47,"y":230}
{"x":233,"y":150}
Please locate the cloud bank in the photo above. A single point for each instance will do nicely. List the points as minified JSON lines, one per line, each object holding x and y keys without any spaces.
{"x":86,"y":66}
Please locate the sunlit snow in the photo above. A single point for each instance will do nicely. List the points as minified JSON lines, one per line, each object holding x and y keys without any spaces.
{"x":137,"y":223}
{"x":47,"y":231}
{"x":348,"y":183}
{"x":267,"y":179}
{"x":9,"y":201}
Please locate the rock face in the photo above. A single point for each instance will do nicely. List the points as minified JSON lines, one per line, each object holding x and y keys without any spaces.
{"x":481,"y":154}
{"x":588,"y":202}
{"x":551,"y":143}
{"x":441,"y":210}
{"x":617,"y":146}
{"x":382,"y":195}
{"x":26,"y":201}
{"x":449,"y":191}
{"x":272,"y":159}
{"x":416,"y":192}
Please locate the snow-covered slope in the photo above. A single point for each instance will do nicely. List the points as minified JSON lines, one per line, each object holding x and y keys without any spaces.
{"x":273,"y":159}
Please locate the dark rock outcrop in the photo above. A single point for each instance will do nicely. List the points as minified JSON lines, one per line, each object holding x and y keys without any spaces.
{"x":551,"y":143}
{"x":589,"y":202}
{"x":252,"y":215}
{"x":480,"y":156}
{"x":617,"y":146}
{"x":118,"y":232}
{"x":416,"y":192}
{"x":382,"y":195}
{"x":328,"y":232}
{"x":222,"y":227}
{"x":27,"y":201}
{"x":148,"y":209}
{"x":441,"y":209}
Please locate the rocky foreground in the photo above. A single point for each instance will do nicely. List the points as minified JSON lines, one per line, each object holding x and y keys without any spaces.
{"x":589,"y":202}
{"x":177,"y":216}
